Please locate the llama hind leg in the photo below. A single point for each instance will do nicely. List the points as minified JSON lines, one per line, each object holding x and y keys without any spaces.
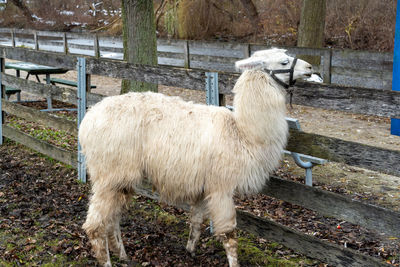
{"x":115,"y":240}
{"x":196,"y":219}
{"x":105,"y":206}
{"x":223,"y":215}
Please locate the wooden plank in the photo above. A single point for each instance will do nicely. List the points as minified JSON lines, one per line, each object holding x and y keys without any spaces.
{"x":191,"y":79}
{"x":205,"y":48}
{"x":54,"y":152}
{"x":50,"y":34}
{"x":304,"y":244}
{"x":347,"y":57}
{"x":351,"y":153}
{"x":40,"y":117}
{"x":212,"y":66}
{"x":215,"y":59}
{"x":39,"y":57}
{"x":64,"y":94}
{"x":351,"y":99}
{"x":359,"y":81}
{"x":330,"y":204}
{"x":307,"y":245}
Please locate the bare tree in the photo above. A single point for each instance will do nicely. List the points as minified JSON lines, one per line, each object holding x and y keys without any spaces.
{"x":140,"y":41}
{"x":312,"y":26}
{"x":25,"y":10}
{"x":251,"y":13}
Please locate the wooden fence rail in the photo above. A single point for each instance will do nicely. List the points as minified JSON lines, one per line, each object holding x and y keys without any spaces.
{"x":338,"y":66}
{"x":350,"y":99}
{"x":323,"y":202}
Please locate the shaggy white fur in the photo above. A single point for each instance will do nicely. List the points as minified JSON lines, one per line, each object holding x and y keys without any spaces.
{"x":191,"y":153}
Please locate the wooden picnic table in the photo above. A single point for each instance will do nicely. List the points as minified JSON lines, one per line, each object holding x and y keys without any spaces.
{"x":35,"y":69}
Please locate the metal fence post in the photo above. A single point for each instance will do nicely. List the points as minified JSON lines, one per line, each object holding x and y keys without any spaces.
{"x":81,"y":68}
{"x":212,"y":94}
{"x":395,"y":122}
{"x":2,"y":89}
{"x":212,"y":98}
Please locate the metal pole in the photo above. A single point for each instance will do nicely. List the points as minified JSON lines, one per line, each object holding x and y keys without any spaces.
{"x":2,"y":89}
{"x":306,"y":165}
{"x":395,"y":123}
{"x":81,"y":113}
{"x":212,"y":94}
{"x":212,"y":98}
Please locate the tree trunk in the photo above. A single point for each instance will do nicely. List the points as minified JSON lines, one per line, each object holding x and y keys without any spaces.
{"x":252,"y":14}
{"x":139,"y":39}
{"x":312,"y":26}
{"x":25,"y":10}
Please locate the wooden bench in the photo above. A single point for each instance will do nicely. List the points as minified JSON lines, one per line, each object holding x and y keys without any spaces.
{"x":67,"y":82}
{"x":10,"y":91}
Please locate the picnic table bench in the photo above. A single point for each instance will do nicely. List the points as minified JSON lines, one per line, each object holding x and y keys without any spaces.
{"x":67,"y":82}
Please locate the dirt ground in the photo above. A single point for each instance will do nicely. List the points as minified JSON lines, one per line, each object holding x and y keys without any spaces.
{"x":370,"y":186}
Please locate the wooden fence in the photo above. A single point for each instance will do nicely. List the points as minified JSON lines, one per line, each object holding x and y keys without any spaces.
{"x":341,"y":67}
{"x":385,"y":103}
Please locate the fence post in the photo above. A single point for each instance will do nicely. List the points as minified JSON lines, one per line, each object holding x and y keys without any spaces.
{"x":246,"y":51}
{"x":212,"y":94}
{"x":326,"y":67}
{"x":96,"y":46}
{"x":65,"y":42}
{"x":36,"y":40}
{"x":186,"y":54}
{"x":2,"y":89}
{"x":12,"y":37}
{"x":82,"y":85}
{"x":212,"y":98}
{"x":395,"y":123}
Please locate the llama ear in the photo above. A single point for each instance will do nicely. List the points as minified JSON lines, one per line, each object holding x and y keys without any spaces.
{"x":249,"y":64}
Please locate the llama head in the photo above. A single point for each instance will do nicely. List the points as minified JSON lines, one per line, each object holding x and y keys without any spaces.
{"x":283,"y":68}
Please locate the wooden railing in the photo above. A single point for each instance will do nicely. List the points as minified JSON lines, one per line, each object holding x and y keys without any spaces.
{"x":342,"y":67}
{"x":326,"y":203}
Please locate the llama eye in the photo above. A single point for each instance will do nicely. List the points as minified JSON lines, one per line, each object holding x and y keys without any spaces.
{"x":285,"y":62}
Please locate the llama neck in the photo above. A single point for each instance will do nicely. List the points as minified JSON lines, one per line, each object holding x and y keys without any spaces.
{"x":260,"y":108}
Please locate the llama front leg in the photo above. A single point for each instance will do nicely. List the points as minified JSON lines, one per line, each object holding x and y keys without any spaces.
{"x":105,"y":206}
{"x":223,"y":215}
{"x":196,"y":219}
{"x":229,"y":240}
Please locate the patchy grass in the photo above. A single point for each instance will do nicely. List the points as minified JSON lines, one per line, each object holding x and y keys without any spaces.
{"x":56,"y":137}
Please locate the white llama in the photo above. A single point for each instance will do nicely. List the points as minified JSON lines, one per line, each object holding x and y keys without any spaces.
{"x":192,"y":153}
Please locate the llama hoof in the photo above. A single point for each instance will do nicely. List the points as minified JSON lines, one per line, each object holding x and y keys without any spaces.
{"x":123,"y":256}
{"x":190,"y":250}
{"x":192,"y":254}
{"x":107,"y":264}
